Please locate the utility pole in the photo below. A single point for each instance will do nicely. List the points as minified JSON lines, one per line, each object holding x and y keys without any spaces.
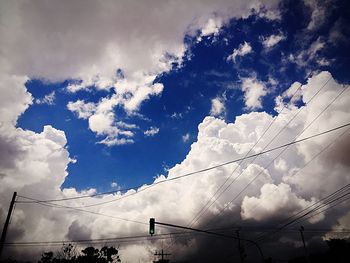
{"x":4,"y":230}
{"x":303,"y":239}
{"x":215,"y":234}
{"x":162,"y":256}
{"x":240,"y":247}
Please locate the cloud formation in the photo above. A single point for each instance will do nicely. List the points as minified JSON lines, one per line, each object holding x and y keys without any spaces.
{"x":151,"y":131}
{"x":217,"y":107}
{"x":272,"y":40}
{"x":48,"y":99}
{"x":128,"y":62}
{"x":242,"y":50}
{"x":42,"y":160}
{"x":123,"y":59}
{"x":254,"y":90}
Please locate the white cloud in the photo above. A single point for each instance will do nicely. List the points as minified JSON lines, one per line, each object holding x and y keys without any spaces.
{"x":304,"y":57}
{"x":104,"y":125}
{"x":14,"y":99}
{"x":254,"y":90}
{"x":272,"y":40}
{"x":92,"y":46}
{"x":217,"y":107}
{"x":242,"y":50}
{"x":316,"y":46}
{"x":281,"y":164}
{"x":84,"y":110}
{"x":212,"y":27}
{"x":48,"y":99}
{"x":151,"y":131}
{"x":318,"y":13}
{"x":177,"y":115}
{"x":74,"y":87}
{"x":186,"y":137}
{"x":39,"y":161}
{"x":274,"y":201}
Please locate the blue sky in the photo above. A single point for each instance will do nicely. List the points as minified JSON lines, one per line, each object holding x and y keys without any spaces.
{"x":106,"y":95}
{"x":186,"y":99}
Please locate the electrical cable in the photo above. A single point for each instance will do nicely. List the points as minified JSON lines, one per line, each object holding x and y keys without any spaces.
{"x":209,"y":203}
{"x":273,"y":138}
{"x":331,"y":198}
{"x":80,"y":210}
{"x":308,"y":162}
{"x":206,"y":169}
{"x":272,"y":161}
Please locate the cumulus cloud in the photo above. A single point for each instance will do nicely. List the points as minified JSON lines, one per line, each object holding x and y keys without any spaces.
{"x":103,"y":124}
{"x":272,"y":40}
{"x":42,"y":160}
{"x":35,"y":161}
{"x":242,"y":50}
{"x":274,"y":201}
{"x":15,"y":100}
{"x":254,"y":90}
{"x":123,"y":59}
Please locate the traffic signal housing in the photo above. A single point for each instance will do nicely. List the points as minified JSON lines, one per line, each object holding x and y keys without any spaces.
{"x":151,"y":226}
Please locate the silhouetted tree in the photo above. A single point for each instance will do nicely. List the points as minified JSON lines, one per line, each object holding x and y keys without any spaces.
{"x":338,"y":251}
{"x":88,"y":255}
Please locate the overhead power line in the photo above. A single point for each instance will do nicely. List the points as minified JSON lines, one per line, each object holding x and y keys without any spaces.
{"x":198,"y":171}
{"x":81,"y":210}
{"x":220,"y":190}
{"x":217,"y":192}
{"x":213,"y":200}
{"x":140,"y":238}
{"x":304,"y":166}
{"x":335,"y":198}
{"x":285,"y":148}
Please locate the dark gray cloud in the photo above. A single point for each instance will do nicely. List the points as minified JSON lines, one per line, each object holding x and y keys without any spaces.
{"x":9,"y":152}
{"x":340,"y":152}
{"x":76,"y":231}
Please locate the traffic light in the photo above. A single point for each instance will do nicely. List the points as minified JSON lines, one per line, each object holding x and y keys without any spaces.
{"x":151,"y":226}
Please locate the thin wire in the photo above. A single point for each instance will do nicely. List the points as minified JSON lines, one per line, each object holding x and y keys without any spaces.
{"x":304,"y":166}
{"x":327,"y":208}
{"x":207,"y":206}
{"x":81,"y":210}
{"x":206,"y":169}
{"x":296,"y":221}
{"x":334,"y":196}
{"x":88,"y":196}
{"x":209,"y":203}
{"x":136,"y":238}
{"x":273,"y":138}
{"x":253,"y":180}
{"x":261,"y":238}
{"x":132,"y":188}
{"x":94,"y":240}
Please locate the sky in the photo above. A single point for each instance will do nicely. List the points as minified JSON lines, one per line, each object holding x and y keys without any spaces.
{"x":122,"y":96}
